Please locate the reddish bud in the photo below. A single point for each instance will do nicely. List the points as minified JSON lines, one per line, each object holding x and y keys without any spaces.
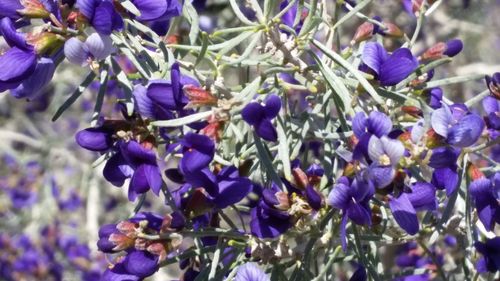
{"x":284,"y":201}
{"x":33,"y":9}
{"x":172,"y":39}
{"x":474,"y":173}
{"x":364,"y":32}
{"x":121,"y":241}
{"x":405,"y":137}
{"x":412,"y":110}
{"x":433,"y":139}
{"x":214,"y":129}
{"x":158,"y":249}
{"x":45,"y":42}
{"x":300,"y":178}
{"x":392,"y":30}
{"x":434,"y":52}
{"x":198,"y":97}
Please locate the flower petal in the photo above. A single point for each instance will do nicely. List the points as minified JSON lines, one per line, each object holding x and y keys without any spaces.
{"x":374,"y":56}
{"x":95,"y":139}
{"x":232,"y":192}
{"x":100,"y":46}
{"x":379,"y":124}
{"x":17,"y":65}
{"x":141,"y":263}
{"x":423,"y":196}
{"x":404,"y":214}
{"x":266,"y":130}
{"x":467,"y":131}
{"x":253,"y":113}
{"x":441,"y":120}
{"x":273,"y":106}
{"x":397,"y":67}
{"x":150,"y":9}
{"x":11,"y":36}
{"x":359,"y":124}
{"x":76,"y":51}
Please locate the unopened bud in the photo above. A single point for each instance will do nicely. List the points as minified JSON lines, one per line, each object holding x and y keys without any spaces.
{"x":198,"y":97}
{"x":474,"y":173}
{"x":412,"y":110}
{"x":33,"y":9}
{"x":300,"y":178}
{"x":45,"y":42}
{"x":364,"y":32}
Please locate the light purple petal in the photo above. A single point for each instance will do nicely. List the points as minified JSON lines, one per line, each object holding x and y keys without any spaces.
{"x":8,"y":8}
{"x":418,"y":131}
{"x":423,"y":196}
{"x":490,"y":105}
{"x":35,"y":84}
{"x":250,"y":272}
{"x":393,"y":148}
{"x":358,"y":213}
{"x":76,"y":51}
{"x":440,"y":120}
{"x":339,"y":196}
{"x":154,"y":178}
{"x":375,"y":148}
{"x":379,"y":124}
{"x":87,"y":7}
{"x":11,"y":36}
{"x":359,"y":124}
{"x":100,"y":46}
{"x":144,"y":105}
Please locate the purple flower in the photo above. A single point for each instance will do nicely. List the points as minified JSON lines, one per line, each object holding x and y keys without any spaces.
{"x":493,"y":84}
{"x":388,"y":69}
{"x":458,"y":126}
{"x":20,"y":61}
{"x":260,"y":117}
{"x":224,"y":189}
{"x":377,"y":124}
{"x":250,"y":272}
{"x":490,"y":261}
{"x":96,"y":47}
{"x":353,"y":199}
{"x":10,"y":8}
{"x":95,"y":139}
{"x":422,"y":196}
{"x":486,"y":193}
{"x":270,"y":218}
{"x":101,"y":15}
{"x":492,"y":108}
{"x":198,"y":151}
{"x":384,"y":154}
{"x":451,"y":48}
{"x":157,"y":9}
{"x":434,"y":97}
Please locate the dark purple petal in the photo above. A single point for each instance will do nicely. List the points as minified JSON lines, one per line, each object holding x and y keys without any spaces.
{"x":253,"y":113}
{"x":95,"y":139}
{"x":199,"y":152}
{"x":404,"y":214}
{"x":374,"y":55}
{"x":8,"y":8}
{"x":359,"y":274}
{"x":106,"y":19}
{"x":343,"y":230}
{"x":11,"y":36}
{"x":435,"y":97}
{"x":34,"y":85}
{"x":118,"y":273}
{"x":267,"y":227}
{"x":359,"y":214}
{"x":379,"y":124}
{"x":362,"y":188}
{"x":87,"y":7}
{"x":136,"y":154}
{"x":141,"y":263}
{"x":153,"y":176}
{"x":443,"y":157}
{"x":266,"y":130}
{"x":139,"y":182}
{"x":397,"y":67}
{"x":150,"y":9}
{"x":467,"y":131}
{"x":232,"y":192}
{"x":445,"y":178}
{"x":453,"y":47}
{"x":203,"y":178}
{"x":423,"y":196}
{"x":116,"y":171}
{"x":161,"y":92}
{"x":273,"y":106}
{"x":100,"y":46}
{"x":17,"y":65}
{"x":76,"y":51}
{"x":313,"y":197}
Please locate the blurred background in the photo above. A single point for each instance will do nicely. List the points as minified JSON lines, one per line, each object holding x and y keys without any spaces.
{"x":53,"y":197}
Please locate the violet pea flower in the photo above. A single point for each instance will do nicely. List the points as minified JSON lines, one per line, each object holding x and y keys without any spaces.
{"x":353,"y":200}
{"x":96,"y":47}
{"x":389,"y":69}
{"x":490,"y":261}
{"x":459,"y":127}
{"x":486,"y":193}
{"x":260,"y":117}
{"x":493,"y":84}
{"x":492,"y":108}
{"x":385,"y":154}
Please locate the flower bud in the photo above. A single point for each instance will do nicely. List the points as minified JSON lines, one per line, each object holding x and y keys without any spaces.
{"x":391,"y":30}
{"x":198,"y":97}
{"x":45,"y":42}
{"x":34,"y":9}
{"x":474,"y":173}
{"x":300,"y":178}
{"x":364,"y":32}
{"x":412,"y":110}
{"x":451,"y":48}
{"x":493,"y":83}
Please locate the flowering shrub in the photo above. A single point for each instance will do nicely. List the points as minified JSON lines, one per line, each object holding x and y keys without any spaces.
{"x":257,"y":144}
